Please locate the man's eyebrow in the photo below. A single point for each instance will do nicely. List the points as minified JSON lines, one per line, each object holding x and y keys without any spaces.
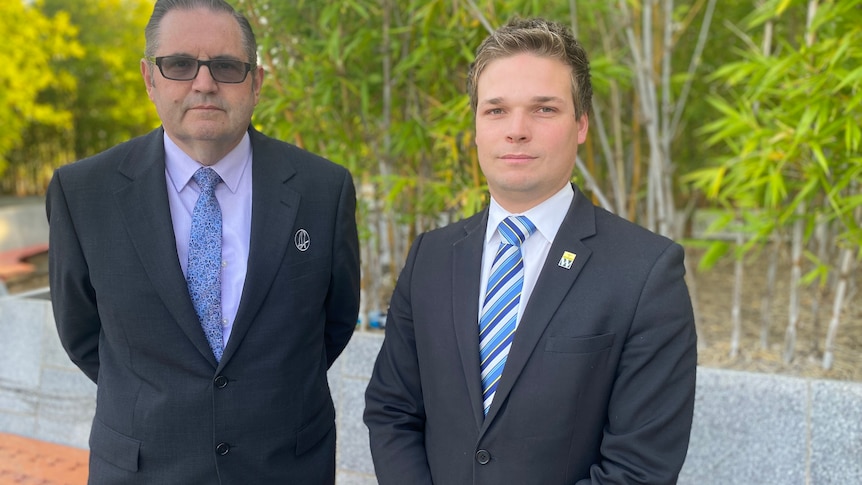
{"x":534,"y":99}
{"x":228,"y":57}
{"x":548,"y":99}
{"x":492,"y":101}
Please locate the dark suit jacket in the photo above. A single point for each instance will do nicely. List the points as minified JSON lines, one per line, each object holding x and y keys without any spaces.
{"x":599,"y":383}
{"x":166,"y":411}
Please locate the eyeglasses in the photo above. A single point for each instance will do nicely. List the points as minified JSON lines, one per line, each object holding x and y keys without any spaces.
{"x":179,"y":68}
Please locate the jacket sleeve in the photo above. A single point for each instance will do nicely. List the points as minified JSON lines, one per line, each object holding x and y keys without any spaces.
{"x":73,"y":298}
{"x":394,"y":407}
{"x":342,"y":301}
{"x":652,"y":400}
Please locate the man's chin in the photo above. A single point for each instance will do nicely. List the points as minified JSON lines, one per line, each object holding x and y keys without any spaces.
{"x":207,"y":131}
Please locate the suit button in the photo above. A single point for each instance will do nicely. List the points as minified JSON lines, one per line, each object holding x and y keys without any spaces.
{"x":222,"y":449}
{"x":220,"y":382}
{"x":483,"y":457}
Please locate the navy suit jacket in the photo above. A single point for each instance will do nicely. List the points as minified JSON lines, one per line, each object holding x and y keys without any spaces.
{"x":166,"y":411}
{"x":599,"y":383}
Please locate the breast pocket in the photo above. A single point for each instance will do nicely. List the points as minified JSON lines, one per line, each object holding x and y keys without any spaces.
{"x":579,"y":345}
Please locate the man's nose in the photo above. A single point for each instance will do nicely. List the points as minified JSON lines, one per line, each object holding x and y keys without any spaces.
{"x":518,"y":129}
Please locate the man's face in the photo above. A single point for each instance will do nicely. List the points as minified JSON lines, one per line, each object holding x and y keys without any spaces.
{"x":527,"y":135}
{"x":202,"y":115}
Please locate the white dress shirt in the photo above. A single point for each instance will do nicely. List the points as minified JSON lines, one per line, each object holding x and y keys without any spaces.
{"x":234,"y":197}
{"x":547,"y":217}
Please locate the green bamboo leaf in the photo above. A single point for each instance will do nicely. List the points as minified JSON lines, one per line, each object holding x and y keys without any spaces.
{"x":713,"y":254}
{"x":852,"y":136}
{"x":853,"y":78}
{"x":782,"y":6}
{"x":819,"y":156}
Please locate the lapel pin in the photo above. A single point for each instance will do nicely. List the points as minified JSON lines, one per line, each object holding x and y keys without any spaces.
{"x":567,"y":260}
{"x":302,"y":240}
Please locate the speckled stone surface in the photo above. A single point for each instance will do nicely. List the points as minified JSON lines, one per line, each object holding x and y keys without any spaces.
{"x":836,"y":433}
{"x":748,"y":428}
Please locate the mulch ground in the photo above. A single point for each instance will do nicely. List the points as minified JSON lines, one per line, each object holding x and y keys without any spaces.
{"x":714,"y":292}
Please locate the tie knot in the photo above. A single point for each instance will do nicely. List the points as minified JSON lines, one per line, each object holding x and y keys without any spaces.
{"x":516,"y":229}
{"x":206,"y":178}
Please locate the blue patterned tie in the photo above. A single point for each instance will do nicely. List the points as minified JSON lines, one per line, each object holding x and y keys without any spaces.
{"x":204,"y":268}
{"x":500,"y":307}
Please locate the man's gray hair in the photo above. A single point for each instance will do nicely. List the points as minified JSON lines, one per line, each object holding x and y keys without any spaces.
{"x":162,"y":7}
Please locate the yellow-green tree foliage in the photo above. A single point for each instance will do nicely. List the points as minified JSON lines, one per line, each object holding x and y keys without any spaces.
{"x":70,"y":84}
{"x":33,"y":42}
{"x":111,"y":104}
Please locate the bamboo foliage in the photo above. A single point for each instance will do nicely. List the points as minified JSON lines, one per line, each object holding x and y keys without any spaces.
{"x":660,"y":110}
{"x":758,"y":111}
{"x":379,"y":86}
{"x":790,"y":125}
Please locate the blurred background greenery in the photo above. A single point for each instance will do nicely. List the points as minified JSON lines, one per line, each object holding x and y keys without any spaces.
{"x":733,"y":126}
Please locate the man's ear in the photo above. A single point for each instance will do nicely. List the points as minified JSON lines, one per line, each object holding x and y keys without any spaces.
{"x":583,"y":127}
{"x":147,"y":74}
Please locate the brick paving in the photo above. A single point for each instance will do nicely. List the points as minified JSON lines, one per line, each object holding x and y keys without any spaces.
{"x":26,"y":461}
{"x":14,"y":262}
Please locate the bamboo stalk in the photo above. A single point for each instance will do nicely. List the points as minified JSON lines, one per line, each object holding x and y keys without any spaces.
{"x":795,"y":278}
{"x":837,"y":306}
{"x":844,"y":276}
{"x":769,"y":293}
{"x":736,"y":305}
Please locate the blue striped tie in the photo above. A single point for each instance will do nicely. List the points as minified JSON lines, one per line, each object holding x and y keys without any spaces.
{"x":204,"y":268}
{"x":500,"y":307}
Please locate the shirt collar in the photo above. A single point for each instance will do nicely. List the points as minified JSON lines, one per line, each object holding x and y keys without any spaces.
{"x":181,"y":167}
{"x":547,"y":216}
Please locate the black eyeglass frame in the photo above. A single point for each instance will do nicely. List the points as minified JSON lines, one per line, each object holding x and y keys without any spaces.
{"x":158,"y":62}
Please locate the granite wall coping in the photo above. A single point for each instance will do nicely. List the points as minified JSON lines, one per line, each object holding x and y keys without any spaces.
{"x":23,"y":224}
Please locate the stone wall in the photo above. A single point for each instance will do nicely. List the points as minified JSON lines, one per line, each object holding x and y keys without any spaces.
{"x":748,"y":428}
{"x":22,"y":223}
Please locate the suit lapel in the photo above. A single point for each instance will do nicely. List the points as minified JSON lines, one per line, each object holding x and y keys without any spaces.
{"x":553,"y":285}
{"x":466,"y":274}
{"x":274,"y":207}
{"x":143,"y":200}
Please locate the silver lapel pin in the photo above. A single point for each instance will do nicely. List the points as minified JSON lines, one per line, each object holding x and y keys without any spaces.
{"x":302,"y":240}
